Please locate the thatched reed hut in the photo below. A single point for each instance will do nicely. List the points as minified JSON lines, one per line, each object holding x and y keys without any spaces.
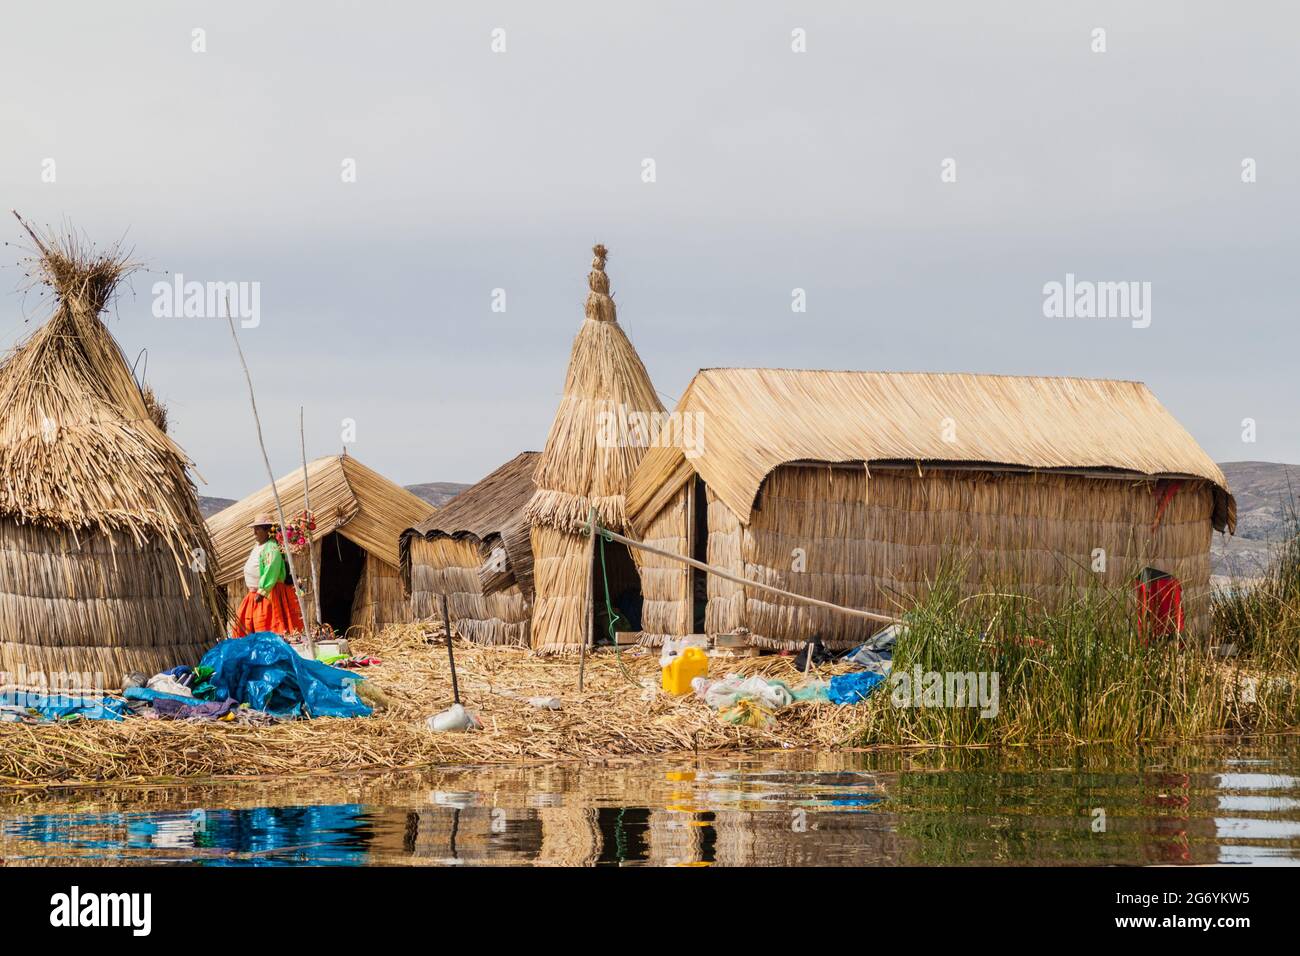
{"x":99,"y":520}
{"x":476,"y":551}
{"x":359,"y":517}
{"x":856,"y":487}
{"x":597,"y":439}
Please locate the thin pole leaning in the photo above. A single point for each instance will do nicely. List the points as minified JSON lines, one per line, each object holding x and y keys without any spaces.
{"x":725,"y":575}
{"x":266,"y":459}
{"x":306,"y":504}
{"x":590,"y":603}
{"x":451,"y":654}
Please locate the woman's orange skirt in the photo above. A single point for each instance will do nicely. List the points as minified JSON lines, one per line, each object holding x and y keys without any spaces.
{"x":278,"y":613}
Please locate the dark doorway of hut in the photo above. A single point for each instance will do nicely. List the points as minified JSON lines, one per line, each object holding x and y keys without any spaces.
{"x":615,"y":567}
{"x":341,"y":565}
{"x":699,"y":542}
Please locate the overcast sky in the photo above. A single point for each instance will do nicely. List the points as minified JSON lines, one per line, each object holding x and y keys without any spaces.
{"x":775,"y":170}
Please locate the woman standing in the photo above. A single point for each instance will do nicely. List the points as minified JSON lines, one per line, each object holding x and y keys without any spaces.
{"x":270,"y":604}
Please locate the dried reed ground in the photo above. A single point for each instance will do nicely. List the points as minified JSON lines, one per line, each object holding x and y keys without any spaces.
{"x":612,"y":718}
{"x":1170,"y":696}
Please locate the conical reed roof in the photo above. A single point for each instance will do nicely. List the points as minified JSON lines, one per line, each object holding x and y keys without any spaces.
{"x":79,"y":447}
{"x":599,"y":433}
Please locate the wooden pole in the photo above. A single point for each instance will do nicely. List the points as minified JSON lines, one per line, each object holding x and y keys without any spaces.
{"x":451,"y":654}
{"x":266,"y":459}
{"x":587,"y":637}
{"x":306,"y":504}
{"x":725,"y":575}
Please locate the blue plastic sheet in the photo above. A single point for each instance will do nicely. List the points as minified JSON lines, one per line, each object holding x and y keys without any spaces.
{"x":852,"y":688}
{"x":62,"y":707}
{"x":263,"y":671}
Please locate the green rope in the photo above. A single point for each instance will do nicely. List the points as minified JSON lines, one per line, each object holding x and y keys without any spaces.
{"x":610,"y":614}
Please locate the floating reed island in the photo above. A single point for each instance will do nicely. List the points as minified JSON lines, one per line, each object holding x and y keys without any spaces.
{"x":1064,"y":689}
{"x":1053,"y":532}
{"x":620,"y":714}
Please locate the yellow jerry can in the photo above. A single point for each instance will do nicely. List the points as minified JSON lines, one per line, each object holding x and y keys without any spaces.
{"x":684,"y":668}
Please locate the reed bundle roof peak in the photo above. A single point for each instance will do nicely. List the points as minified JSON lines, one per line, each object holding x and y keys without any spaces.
{"x":587,"y":462}
{"x":81,"y":446}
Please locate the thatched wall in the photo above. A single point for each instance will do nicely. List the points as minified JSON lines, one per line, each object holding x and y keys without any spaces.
{"x":103,"y":604}
{"x":666,"y":584}
{"x":726,"y":608}
{"x":379,"y":599}
{"x":561,"y":576}
{"x":451,"y":565}
{"x":872,"y":543}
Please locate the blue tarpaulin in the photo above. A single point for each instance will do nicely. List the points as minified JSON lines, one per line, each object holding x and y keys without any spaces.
{"x":851,"y":688}
{"x":263,"y":671}
{"x":60,"y":706}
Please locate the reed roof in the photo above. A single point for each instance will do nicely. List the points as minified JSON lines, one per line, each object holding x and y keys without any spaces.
{"x":80,"y":446}
{"x":488,"y":506}
{"x":588,"y":460}
{"x":491,"y":508}
{"x":752,"y":420}
{"x":346,"y":496}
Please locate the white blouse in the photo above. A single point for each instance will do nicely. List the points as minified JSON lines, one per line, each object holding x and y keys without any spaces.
{"x":253,"y":568}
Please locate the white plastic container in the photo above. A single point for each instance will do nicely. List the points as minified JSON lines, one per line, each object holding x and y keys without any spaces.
{"x":326,"y":649}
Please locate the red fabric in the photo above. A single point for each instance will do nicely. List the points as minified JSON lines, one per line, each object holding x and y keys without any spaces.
{"x":1160,"y":607}
{"x":278,"y":613}
{"x":1166,"y":490}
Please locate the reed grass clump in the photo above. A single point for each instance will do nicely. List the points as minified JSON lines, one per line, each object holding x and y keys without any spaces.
{"x":1080,"y":671}
{"x":1262,"y":617}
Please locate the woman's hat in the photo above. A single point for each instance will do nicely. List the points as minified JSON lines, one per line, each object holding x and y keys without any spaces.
{"x":265,"y":520}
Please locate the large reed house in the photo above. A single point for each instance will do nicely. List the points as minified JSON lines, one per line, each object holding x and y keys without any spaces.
{"x":99,"y":520}
{"x":857,"y":487}
{"x":475,"y":551}
{"x":359,"y":516}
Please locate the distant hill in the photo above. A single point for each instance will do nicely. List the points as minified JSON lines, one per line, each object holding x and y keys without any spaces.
{"x":437,"y":493}
{"x":1265,"y":491}
{"x":210,"y":506}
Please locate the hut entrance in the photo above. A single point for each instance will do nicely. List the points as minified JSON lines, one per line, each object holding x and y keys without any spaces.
{"x":624,"y":591}
{"x":700,"y":552}
{"x":341,"y":565}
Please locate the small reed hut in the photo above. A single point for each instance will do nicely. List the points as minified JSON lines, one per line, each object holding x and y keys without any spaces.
{"x":857,"y":487}
{"x":99,"y":521}
{"x":359,"y":516}
{"x":595,"y":443}
{"x":476,"y":551}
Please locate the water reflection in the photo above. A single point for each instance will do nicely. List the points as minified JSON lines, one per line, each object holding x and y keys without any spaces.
{"x":1226,"y":802}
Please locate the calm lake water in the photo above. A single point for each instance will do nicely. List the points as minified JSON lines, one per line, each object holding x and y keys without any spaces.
{"x":1226,"y":801}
